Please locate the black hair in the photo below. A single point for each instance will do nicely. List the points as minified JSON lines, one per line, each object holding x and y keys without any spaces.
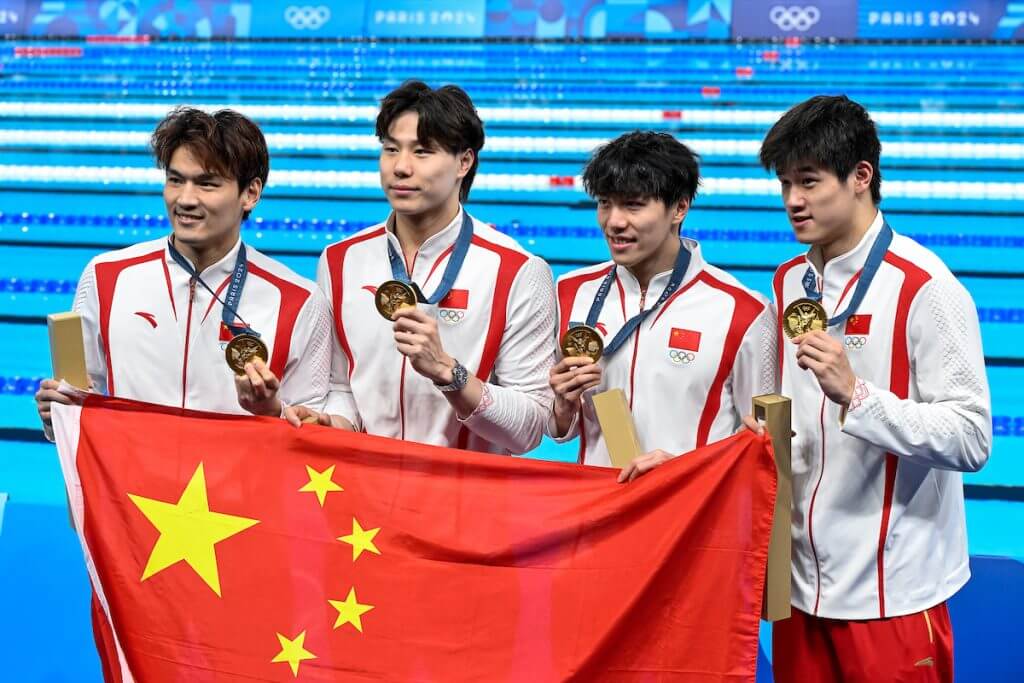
{"x":833,"y":132}
{"x":225,"y":142}
{"x":447,"y":118}
{"x":643,"y":164}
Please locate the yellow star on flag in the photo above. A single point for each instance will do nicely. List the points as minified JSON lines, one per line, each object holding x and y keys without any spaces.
{"x":349,"y":611}
{"x":293,"y":652}
{"x":320,"y":483}
{"x":360,"y":539}
{"x":189,"y":531}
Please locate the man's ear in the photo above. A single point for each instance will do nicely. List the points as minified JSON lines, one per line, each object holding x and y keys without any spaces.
{"x":679,"y":213}
{"x":466,"y":159}
{"x":252,"y":194}
{"x":862,"y":174}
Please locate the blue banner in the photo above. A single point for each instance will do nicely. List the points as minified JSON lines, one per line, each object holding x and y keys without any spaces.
{"x":538,"y":19}
{"x":290,"y":19}
{"x":609,"y":18}
{"x":435,"y":19}
{"x":941,"y":19}
{"x":818,"y":19}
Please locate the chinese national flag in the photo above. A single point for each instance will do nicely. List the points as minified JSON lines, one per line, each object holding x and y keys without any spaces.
{"x":456,"y":298}
{"x":229,"y":548}
{"x":858,"y":324}
{"x":688,"y":340}
{"x":228,"y":332}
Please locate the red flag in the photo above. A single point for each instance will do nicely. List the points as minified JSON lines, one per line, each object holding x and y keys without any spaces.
{"x":456,"y":298}
{"x":858,"y":324}
{"x":688,"y":340}
{"x":235,"y":548}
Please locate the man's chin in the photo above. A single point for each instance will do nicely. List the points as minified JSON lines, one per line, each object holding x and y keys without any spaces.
{"x":189,"y":236}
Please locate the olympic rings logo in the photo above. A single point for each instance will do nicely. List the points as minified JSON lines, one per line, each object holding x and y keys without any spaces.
{"x":307,"y":16}
{"x":681,"y":357}
{"x":856,"y":342}
{"x":451,"y":316}
{"x":794,"y":18}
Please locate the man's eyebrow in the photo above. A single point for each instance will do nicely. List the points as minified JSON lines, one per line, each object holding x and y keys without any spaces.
{"x":202,"y":177}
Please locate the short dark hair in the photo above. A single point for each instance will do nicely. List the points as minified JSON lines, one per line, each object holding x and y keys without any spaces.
{"x":643,"y":164}
{"x":833,"y":132}
{"x":224,"y":142}
{"x":447,"y":118}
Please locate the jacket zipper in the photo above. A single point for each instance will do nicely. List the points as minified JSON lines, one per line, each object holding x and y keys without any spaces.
{"x":821,"y":474}
{"x":188,"y":333}
{"x":401,"y":381}
{"x":810,"y":510}
{"x":636,"y":347}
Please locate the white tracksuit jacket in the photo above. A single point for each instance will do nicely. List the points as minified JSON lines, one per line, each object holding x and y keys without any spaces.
{"x":878,"y":506}
{"x":690,"y":370}
{"x":151,"y":335}
{"x":498,"y":321}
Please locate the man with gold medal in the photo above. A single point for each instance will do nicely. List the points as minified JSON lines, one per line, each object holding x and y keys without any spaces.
{"x":199,"y":319}
{"x":687,"y":343}
{"x":881,"y":355}
{"x":443,"y":326}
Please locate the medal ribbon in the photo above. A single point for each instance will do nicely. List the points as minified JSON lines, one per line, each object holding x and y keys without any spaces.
{"x":451,"y":271}
{"x":674,"y":280}
{"x":875,"y":257}
{"x":229,"y":310}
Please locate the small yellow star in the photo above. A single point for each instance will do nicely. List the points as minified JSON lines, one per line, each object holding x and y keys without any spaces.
{"x":320,"y":483}
{"x":349,"y":611}
{"x":189,"y":531}
{"x":292,"y":652}
{"x":360,"y":539}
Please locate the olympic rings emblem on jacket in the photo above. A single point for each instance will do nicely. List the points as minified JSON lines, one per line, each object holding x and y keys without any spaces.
{"x":856,"y":342}
{"x":451,"y":315}
{"x":681,"y":357}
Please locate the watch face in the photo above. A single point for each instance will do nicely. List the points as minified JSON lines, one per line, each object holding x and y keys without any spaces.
{"x":460,"y":375}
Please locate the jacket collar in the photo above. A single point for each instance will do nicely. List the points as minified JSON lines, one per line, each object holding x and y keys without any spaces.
{"x":432,"y":247}
{"x":838,"y":271}
{"x":658,"y":283}
{"x":216,"y":272}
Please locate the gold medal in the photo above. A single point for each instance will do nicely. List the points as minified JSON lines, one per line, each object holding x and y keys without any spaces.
{"x":393,"y":295}
{"x":582,"y":341}
{"x":803,"y":315}
{"x":242,"y":349}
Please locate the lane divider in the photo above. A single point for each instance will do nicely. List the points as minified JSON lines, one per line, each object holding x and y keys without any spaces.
{"x":17,"y":174}
{"x":710,"y":116}
{"x":517,"y":144}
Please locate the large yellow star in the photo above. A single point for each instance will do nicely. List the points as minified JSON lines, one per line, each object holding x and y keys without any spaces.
{"x":349,"y":611}
{"x":360,"y":539}
{"x":189,"y":531}
{"x":320,"y":483}
{"x":293,"y":652}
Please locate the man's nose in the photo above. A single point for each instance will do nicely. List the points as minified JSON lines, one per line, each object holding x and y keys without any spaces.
{"x":403,"y":164}
{"x":188,"y":196}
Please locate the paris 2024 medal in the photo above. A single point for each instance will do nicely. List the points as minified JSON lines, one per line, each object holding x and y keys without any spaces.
{"x":393,"y":295}
{"x":582,"y":341}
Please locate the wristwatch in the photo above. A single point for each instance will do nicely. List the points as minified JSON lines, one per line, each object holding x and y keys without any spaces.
{"x":460,"y":375}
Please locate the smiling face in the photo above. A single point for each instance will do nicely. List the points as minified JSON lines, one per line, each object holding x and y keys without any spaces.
{"x":642,"y":233}
{"x":824,"y":210}
{"x":419,"y":179}
{"x":205,"y":209}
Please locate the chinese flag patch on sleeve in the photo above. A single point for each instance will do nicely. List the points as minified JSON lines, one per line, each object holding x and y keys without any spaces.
{"x":457,"y":298}
{"x":858,"y":324}
{"x":688,"y":340}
